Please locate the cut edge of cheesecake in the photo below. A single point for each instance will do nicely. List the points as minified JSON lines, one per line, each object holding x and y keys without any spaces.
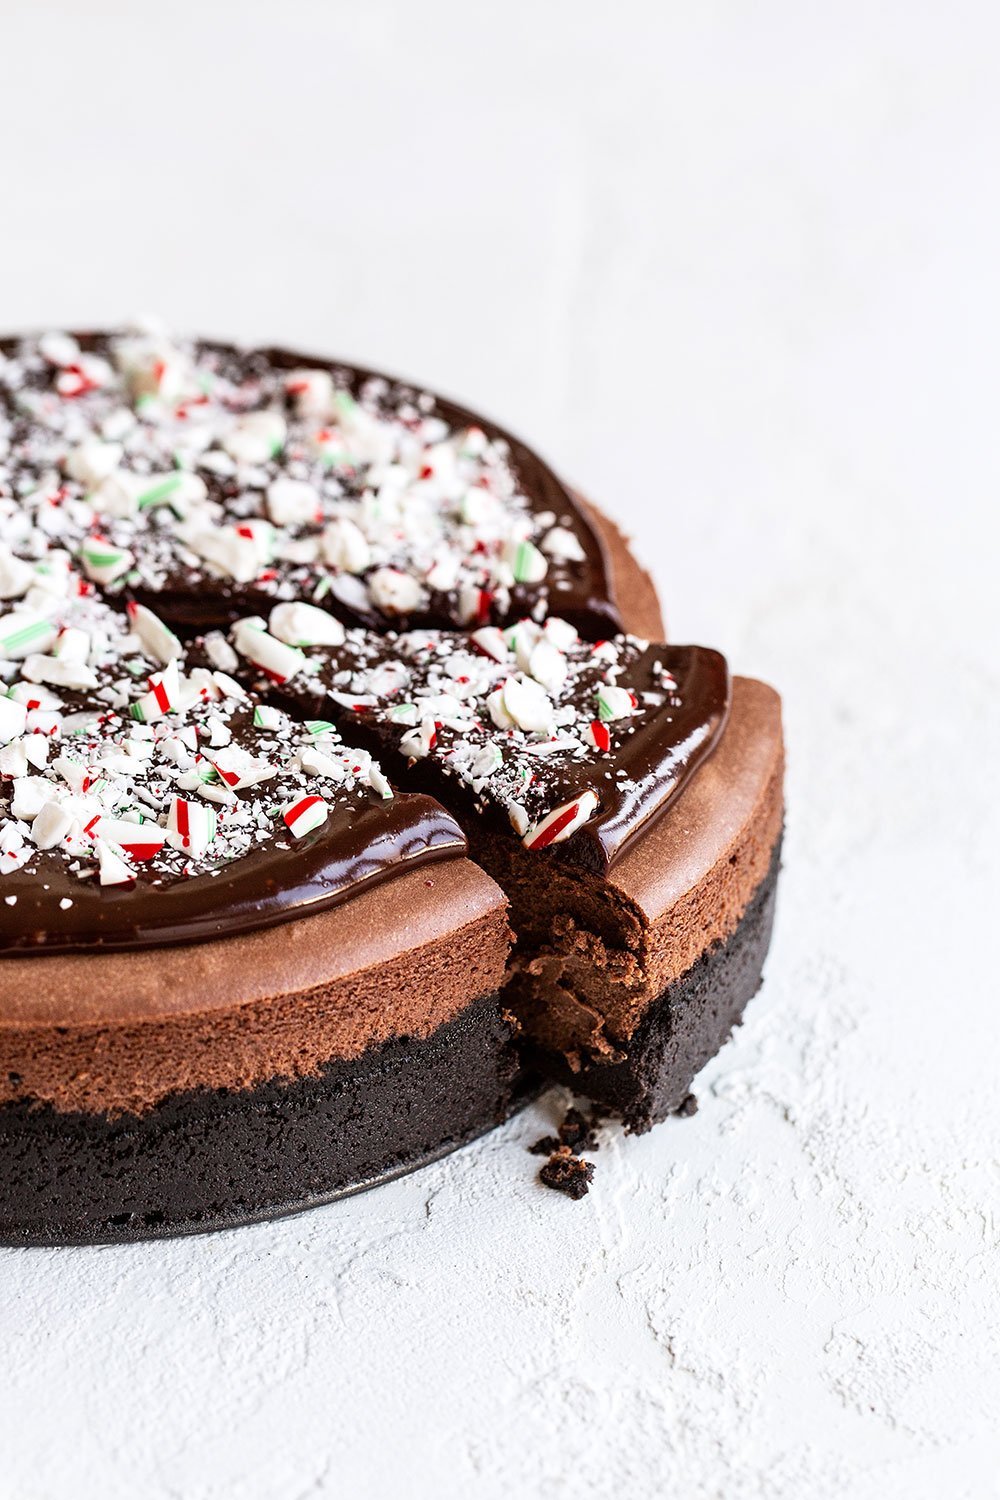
{"x":695,"y":892}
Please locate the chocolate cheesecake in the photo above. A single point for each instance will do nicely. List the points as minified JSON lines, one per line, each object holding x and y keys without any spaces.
{"x":345,"y":797}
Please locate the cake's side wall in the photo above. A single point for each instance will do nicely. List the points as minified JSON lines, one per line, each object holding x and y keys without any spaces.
{"x":212,"y":1159}
{"x":130,"y":1063}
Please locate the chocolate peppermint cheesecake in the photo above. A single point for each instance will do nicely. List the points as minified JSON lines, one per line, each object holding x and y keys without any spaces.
{"x":339,"y":808}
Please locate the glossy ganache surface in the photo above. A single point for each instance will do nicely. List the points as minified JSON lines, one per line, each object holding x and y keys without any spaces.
{"x":275,"y":883}
{"x":209,"y":480}
{"x":573,"y":746}
{"x":400,"y":580}
{"x":147,"y":798}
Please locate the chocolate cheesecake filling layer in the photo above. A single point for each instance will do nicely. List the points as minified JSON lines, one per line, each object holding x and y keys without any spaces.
{"x":118,"y":1033}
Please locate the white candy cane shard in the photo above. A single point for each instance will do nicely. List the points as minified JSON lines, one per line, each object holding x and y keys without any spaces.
{"x":71,"y":674}
{"x":154,"y":636}
{"x":163,"y":696}
{"x":527,"y":564}
{"x":16,"y":575}
{"x":180,"y":490}
{"x":404,"y":713}
{"x":266,"y":717}
{"x":92,"y":461}
{"x":317,"y":763}
{"x":311,"y":391}
{"x":487,"y":761}
{"x":395,"y":592}
{"x":560,"y":632}
{"x":344,"y":546}
{"x":71,"y":645}
{"x":279,"y":660}
{"x":563,"y":546}
{"x":528,"y":705}
{"x":60,"y":349}
{"x":292,"y":502}
{"x":23,"y":634}
{"x":113,"y":869}
{"x":237,"y":768}
{"x":118,"y":494}
{"x":14,"y":759}
{"x":51,"y":825}
{"x":548,"y":666}
{"x":232,"y":552}
{"x":30,"y":795}
{"x":305,"y":625}
{"x":497,"y":709}
{"x":103,"y":563}
{"x":190,"y":826}
{"x":256,"y":437}
{"x":13,"y":718}
{"x":490,"y":641}
{"x":518,"y":817}
{"x":140,"y":841}
{"x":305,"y":814}
{"x":561,"y":822}
{"x":418,"y":743}
{"x":614,"y":703}
{"x":36,"y":750}
{"x":219,"y":652}
{"x":378,"y":782}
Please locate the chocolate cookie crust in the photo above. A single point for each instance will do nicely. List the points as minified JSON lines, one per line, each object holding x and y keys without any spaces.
{"x":207,"y":1159}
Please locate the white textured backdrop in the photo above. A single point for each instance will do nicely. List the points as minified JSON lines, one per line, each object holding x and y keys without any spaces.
{"x":734,"y":269}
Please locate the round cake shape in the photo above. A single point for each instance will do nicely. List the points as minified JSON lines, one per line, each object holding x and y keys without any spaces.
{"x":241,"y":1072}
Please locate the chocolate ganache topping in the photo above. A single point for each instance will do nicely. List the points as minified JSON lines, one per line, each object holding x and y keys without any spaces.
{"x":575,"y":745}
{"x":147,"y":801}
{"x":219,"y":480}
{"x":408,"y":590}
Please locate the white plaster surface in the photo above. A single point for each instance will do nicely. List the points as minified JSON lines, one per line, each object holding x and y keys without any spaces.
{"x":734,"y":268}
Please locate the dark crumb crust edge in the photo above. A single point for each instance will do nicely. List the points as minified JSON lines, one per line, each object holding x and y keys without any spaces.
{"x":206,"y":1160}
{"x":683,"y":1028}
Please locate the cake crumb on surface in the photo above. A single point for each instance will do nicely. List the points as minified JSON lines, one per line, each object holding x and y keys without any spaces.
{"x":566,"y":1173}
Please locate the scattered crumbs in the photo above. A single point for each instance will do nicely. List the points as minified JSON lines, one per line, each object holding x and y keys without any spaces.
{"x":545,"y":1146}
{"x":577,"y":1132}
{"x":687,"y":1107}
{"x":566,"y":1173}
{"x":65,"y":903}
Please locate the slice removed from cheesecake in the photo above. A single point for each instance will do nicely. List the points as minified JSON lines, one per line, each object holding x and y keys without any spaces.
{"x":625,"y":796}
